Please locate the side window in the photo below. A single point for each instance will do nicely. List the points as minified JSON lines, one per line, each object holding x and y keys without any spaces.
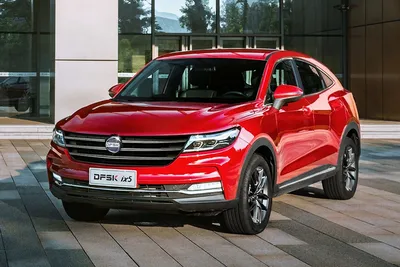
{"x":310,"y":76}
{"x":282,"y":74}
{"x":327,"y":80}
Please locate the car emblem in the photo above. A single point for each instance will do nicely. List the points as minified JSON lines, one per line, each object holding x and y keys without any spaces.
{"x":113,"y":144}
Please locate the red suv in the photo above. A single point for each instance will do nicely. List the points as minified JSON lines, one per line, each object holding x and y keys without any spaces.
{"x":209,"y":132}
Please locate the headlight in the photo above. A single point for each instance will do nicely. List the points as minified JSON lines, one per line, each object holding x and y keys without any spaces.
{"x":211,"y":141}
{"x":58,"y":137}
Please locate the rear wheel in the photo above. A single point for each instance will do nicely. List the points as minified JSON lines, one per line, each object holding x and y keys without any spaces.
{"x":22,"y":105}
{"x":344,"y":184}
{"x":84,"y":212}
{"x":252,"y":213}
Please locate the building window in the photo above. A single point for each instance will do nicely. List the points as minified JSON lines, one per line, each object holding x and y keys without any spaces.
{"x":26,"y":59}
{"x":245,"y":16}
{"x":185,"y":16}
{"x":134,"y":16}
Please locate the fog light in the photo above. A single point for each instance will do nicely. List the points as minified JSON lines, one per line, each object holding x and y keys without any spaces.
{"x":57,"y":178}
{"x":205,"y":186}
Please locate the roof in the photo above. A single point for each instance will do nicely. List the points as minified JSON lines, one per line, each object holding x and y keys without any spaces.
{"x":242,"y":53}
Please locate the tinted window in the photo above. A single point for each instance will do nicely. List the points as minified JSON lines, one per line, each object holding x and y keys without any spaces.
{"x":283,"y":74}
{"x":196,"y":80}
{"x":312,"y":81}
{"x":327,"y":80}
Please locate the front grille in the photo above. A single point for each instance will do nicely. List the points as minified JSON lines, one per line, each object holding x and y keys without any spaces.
{"x":135,"y":151}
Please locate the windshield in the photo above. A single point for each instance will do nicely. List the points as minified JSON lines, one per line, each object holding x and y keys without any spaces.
{"x":196,"y":80}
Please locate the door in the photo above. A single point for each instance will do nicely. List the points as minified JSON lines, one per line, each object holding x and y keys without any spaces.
{"x":294,"y":126}
{"x":324,"y":146}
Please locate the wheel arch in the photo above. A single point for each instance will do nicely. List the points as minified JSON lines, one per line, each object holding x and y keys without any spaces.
{"x":264,"y":148}
{"x":352,"y":130}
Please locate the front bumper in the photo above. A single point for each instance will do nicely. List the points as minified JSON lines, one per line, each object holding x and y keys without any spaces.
{"x":172,"y":198}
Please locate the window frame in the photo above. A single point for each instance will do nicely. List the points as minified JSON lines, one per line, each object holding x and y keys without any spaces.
{"x":319,"y":73}
{"x":295,"y":72}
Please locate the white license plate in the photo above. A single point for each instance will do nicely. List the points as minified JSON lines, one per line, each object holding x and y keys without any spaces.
{"x":113,"y":178}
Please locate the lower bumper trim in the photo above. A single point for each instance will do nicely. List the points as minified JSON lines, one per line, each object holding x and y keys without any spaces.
{"x":189,"y":204}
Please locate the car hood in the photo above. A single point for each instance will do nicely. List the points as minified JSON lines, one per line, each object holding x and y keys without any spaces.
{"x":154,"y":118}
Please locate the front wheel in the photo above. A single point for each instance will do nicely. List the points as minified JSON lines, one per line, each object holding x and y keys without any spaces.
{"x":343,"y":185}
{"x":84,"y":212}
{"x":252,"y":213}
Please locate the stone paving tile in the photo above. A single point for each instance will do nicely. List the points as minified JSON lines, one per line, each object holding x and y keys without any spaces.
{"x":393,"y":240}
{"x":44,"y":215}
{"x":320,"y":224}
{"x":70,"y":258}
{"x":219,"y":247}
{"x":101,"y":248}
{"x":322,"y":248}
{"x":9,"y":194}
{"x":139,"y":246}
{"x":27,"y":256}
{"x":7,"y":185}
{"x":179,"y":247}
{"x":302,"y":226}
{"x":281,"y":261}
{"x":264,"y":251}
{"x":16,"y":227}
{"x":381,"y":250}
{"x":58,"y":240}
{"x":278,"y":238}
{"x":3,"y":259}
{"x":277,"y":217}
{"x":24,"y":177}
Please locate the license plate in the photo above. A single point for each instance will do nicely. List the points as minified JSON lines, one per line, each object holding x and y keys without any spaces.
{"x":112,"y":178}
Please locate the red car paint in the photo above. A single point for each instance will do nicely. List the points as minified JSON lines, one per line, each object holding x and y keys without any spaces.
{"x":304,"y":134}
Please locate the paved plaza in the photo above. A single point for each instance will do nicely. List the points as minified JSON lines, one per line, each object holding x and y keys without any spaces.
{"x":306,"y":229}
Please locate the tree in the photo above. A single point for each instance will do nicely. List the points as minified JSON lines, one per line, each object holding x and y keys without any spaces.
{"x":234,"y":16}
{"x":133,"y":17}
{"x":264,"y":16}
{"x":15,"y":17}
{"x":197,"y":16}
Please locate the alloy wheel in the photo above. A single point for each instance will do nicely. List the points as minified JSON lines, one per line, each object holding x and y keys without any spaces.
{"x":349,"y":168}
{"x":258,"y":195}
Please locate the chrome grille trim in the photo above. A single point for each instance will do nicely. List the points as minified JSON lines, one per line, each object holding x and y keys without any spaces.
{"x":84,"y":139}
{"x":118,"y":157}
{"x":151,"y":149}
{"x":127,"y":141}
{"x":135,"y":150}
{"x":87,"y":147}
{"x":185,"y":192}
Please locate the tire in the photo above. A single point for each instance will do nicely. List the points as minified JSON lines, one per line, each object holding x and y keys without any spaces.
{"x":22,"y":105}
{"x":84,"y":212}
{"x":343,"y":185}
{"x":243,"y":218}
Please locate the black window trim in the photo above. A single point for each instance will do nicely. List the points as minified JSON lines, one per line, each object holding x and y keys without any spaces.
{"x":296,"y":76}
{"x":319,"y":71}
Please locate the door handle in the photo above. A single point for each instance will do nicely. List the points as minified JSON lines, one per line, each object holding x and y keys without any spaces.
{"x":306,"y":110}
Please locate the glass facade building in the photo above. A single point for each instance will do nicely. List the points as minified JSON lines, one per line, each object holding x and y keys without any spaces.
{"x":150,"y":28}
{"x":58,"y":55}
{"x":26,"y":59}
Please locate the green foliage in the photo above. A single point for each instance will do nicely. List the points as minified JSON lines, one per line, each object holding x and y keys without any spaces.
{"x":197,"y":16}
{"x":16,"y":45}
{"x":238,"y":16}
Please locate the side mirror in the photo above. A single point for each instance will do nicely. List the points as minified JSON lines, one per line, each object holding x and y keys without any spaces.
{"x":115,"y":89}
{"x":285,"y":94}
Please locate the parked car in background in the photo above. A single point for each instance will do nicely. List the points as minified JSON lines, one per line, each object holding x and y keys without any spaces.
{"x":212,"y":132}
{"x":16,"y":92}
